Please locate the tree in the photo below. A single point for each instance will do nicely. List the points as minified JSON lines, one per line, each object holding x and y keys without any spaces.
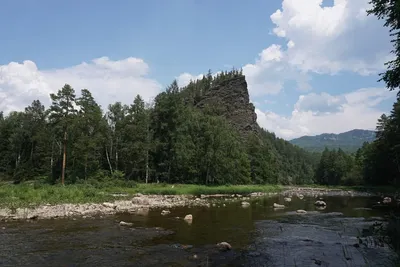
{"x":388,"y":10}
{"x":38,"y":132}
{"x":116,"y":118}
{"x":90,"y":134}
{"x":62,"y":111}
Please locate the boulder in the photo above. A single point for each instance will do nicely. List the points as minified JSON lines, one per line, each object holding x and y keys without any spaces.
{"x":320,"y":203}
{"x":301,"y":211}
{"x":386,"y":200}
{"x":287,"y":199}
{"x":224,"y":246}
{"x":122,"y":223}
{"x":189,"y":218}
{"x":165,"y":212}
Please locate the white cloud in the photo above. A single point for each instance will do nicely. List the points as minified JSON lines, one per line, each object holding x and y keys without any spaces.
{"x":320,"y":103}
{"x":324,"y":113}
{"x":108,"y":80}
{"x":332,"y":39}
{"x":185,"y":78}
{"x":270,"y":71}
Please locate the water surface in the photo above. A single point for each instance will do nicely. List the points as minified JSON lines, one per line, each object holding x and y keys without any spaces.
{"x":259,"y":235}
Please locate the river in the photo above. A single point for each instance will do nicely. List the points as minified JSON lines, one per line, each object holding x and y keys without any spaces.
{"x":259,"y":236}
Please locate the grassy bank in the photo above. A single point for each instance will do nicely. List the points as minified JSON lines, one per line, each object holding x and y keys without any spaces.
{"x":31,"y":194}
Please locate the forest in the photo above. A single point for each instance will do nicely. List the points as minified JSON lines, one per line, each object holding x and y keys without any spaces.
{"x":167,"y":141}
{"x":173,"y":141}
{"x":375,"y":163}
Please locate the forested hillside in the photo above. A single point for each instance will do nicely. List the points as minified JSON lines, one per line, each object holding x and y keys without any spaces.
{"x":348,"y":141}
{"x":205,"y":133}
{"x":375,"y":163}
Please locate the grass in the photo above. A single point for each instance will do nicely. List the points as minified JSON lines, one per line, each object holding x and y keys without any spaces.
{"x":31,"y":194}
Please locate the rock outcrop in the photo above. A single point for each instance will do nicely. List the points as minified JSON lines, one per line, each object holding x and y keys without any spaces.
{"x":230,"y":99}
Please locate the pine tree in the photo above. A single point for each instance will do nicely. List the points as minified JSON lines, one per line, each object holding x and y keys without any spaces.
{"x":62,"y":111}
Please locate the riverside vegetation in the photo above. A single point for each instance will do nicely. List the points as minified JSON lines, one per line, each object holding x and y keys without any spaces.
{"x":179,"y":138}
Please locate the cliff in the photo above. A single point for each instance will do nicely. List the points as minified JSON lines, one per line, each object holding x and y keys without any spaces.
{"x":230,"y":99}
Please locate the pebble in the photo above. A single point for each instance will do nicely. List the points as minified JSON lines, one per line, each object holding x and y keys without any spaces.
{"x":122,"y":223}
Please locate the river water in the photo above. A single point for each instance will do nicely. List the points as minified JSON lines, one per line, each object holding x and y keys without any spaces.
{"x":258,"y":234}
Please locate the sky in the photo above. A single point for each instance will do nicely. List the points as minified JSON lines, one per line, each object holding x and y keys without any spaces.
{"x":311,"y":66}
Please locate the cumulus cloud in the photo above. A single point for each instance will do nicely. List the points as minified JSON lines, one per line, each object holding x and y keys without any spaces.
{"x":185,"y":78}
{"x":332,"y":39}
{"x":320,"y":103}
{"x":108,"y":80}
{"x":267,"y":76}
{"x":324,"y":113}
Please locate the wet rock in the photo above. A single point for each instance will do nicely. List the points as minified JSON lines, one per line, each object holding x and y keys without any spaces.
{"x":165,"y":212}
{"x":224,"y":246}
{"x":278,"y":206}
{"x":320,"y":203}
{"x":387,"y":200}
{"x":301,"y":211}
{"x":320,"y":207}
{"x":300,"y":196}
{"x":122,"y":223}
{"x":287,"y":199}
{"x":189,"y":218}
{"x":245,"y":204}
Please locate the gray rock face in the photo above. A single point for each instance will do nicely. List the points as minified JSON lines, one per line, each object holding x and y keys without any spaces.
{"x":230,"y":99}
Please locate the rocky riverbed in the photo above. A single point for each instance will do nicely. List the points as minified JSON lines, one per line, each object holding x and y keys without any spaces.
{"x":254,"y":234}
{"x":140,"y":204}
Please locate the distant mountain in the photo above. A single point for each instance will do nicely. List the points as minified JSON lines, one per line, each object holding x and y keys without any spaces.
{"x":349,"y":141}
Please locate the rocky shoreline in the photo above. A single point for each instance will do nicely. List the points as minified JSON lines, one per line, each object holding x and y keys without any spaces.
{"x":140,"y":204}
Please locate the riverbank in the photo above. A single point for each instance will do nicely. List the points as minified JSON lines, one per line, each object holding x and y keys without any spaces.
{"x":31,"y":195}
{"x":28,"y":201}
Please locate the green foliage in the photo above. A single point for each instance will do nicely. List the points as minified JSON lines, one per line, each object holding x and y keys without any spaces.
{"x":168,"y":141}
{"x":388,"y":10}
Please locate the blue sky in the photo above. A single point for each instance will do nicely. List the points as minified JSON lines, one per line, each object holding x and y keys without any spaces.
{"x":310,"y":68}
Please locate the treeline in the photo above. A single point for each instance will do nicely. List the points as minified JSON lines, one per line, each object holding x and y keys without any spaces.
{"x":376,"y":163}
{"x":168,"y":140}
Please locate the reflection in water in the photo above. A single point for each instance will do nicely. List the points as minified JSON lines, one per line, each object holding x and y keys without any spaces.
{"x":259,"y":235}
